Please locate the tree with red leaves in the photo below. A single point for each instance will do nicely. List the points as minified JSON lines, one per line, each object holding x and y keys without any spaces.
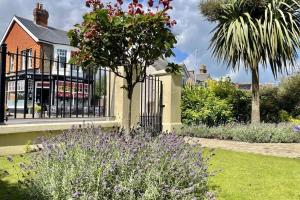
{"x":134,"y":38}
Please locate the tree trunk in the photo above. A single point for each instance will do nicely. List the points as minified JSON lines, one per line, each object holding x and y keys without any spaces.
{"x":255,"y":114}
{"x":130,"y":92}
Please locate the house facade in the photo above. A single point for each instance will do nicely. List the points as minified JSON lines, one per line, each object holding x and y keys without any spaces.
{"x":37,"y":65}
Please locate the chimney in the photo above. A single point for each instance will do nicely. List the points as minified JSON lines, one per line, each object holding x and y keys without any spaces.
{"x":203,"y":69}
{"x":40,"y":15}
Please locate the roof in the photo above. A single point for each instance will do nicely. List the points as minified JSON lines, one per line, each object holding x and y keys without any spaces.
{"x":39,"y":33}
{"x":202,"y":77}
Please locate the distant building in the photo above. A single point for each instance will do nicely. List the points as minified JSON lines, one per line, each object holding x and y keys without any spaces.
{"x":199,"y":78}
{"x":248,"y":86}
{"x":203,"y":75}
{"x":161,"y":65}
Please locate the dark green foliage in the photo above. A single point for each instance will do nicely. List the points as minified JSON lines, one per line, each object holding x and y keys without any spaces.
{"x":269,"y":103}
{"x":289,"y":95}
{"x":279,"y":104}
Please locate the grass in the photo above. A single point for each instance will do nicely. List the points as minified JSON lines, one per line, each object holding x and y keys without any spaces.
{"x":249,"y":176}
{"x":243,"y":176}
{"x":9,"y":187}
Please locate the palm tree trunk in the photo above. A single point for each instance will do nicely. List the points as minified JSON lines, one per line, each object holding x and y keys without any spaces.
{"x":255,"y":114}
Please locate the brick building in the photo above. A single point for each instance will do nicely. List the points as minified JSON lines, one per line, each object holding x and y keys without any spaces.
{"x":34,"y":38}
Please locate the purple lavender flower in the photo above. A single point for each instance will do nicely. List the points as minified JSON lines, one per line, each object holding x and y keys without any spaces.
{"x":296,"y":129}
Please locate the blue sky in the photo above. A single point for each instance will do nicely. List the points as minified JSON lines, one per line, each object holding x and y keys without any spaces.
{"x":192,"y":31}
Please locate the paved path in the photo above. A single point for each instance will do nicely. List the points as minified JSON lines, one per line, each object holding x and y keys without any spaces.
{"x":280,"y":150}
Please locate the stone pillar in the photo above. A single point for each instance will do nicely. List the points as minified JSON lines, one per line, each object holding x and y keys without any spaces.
{"x":172,"y":85}
{"x":119,"y":101}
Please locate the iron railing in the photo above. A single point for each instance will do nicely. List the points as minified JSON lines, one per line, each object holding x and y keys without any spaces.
{"x":40,"y":86}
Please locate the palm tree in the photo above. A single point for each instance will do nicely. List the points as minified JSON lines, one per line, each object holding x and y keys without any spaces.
{"x":253,"y":33}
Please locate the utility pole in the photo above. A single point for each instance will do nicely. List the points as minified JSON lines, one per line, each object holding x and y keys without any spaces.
{"x":196,"y":64}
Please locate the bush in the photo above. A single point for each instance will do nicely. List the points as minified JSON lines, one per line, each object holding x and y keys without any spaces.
{"x":289,"y":95}
{"x":200,"y":105}
{"x":269,"y":105}
{"x":89,"y":164}
{"x":262,"y":133}
{"x":239,"y":100}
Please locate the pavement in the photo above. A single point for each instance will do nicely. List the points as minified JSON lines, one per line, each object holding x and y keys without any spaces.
{"x":288,"y":150}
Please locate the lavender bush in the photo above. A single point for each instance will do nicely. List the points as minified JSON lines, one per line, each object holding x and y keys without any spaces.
{"x":259,"y":133}
{"x":89,"y":164}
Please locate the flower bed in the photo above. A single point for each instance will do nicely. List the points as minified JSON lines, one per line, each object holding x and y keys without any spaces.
{"x":261,"y":133}
{"x":89,"y":164}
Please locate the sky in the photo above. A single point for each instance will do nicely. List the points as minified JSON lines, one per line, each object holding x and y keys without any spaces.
{"x":193,"y":32}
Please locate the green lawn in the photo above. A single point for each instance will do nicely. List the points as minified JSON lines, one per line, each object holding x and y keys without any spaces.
{"x":9,"y":187}
{"x":242,"y":177}
{"x":248,"y":176}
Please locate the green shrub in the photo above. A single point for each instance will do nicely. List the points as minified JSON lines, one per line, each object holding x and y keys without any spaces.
{"x":289,"y":95}
{"x":200,"y":105}
{"x":239,"y":100}
{"x":269,"y":105}
{"x":89,"y":164}
{"x":262,"y":133}
{"x":284,"y":116}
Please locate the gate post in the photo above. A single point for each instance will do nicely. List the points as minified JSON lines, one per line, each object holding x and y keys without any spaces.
{"x":119,"y":101}
{"x":171,"y":98}
{"x":2,"y":82}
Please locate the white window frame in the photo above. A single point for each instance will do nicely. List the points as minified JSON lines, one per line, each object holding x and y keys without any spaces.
{"x":30,"y":58}
{"x":11,"y":86}
{"x":12,"y":63}
{"x":23,"y":58}
{"x":62,"y":56}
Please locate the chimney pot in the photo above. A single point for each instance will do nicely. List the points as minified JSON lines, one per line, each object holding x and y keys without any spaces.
{"x":40,"y":15}
{"x":203,"y":69}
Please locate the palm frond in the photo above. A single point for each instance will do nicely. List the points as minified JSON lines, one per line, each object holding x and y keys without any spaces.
{"x":249,"y":32}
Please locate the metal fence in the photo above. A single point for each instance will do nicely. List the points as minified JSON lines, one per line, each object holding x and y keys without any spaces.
{"x":151,"y":104}
{"x":45,"y":87}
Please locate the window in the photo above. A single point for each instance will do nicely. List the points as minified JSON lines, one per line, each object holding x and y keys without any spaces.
{"x":11,"y":86}
{"x":20,"y":86}
{"x":86,"y":89}
{"x":23,"y":55}
{"x":12,"y":63}
{"x":62,"y":56}
{"x":29,"y":57}
{"x":80,"y":88}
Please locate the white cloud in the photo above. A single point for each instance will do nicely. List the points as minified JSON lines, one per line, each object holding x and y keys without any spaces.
{"x":192,"y":30}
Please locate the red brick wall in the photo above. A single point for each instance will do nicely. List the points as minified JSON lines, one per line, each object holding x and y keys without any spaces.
{"x":19,"y":38}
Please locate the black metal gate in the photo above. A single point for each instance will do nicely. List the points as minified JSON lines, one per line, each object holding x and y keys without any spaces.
{"x":151,"y":104}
